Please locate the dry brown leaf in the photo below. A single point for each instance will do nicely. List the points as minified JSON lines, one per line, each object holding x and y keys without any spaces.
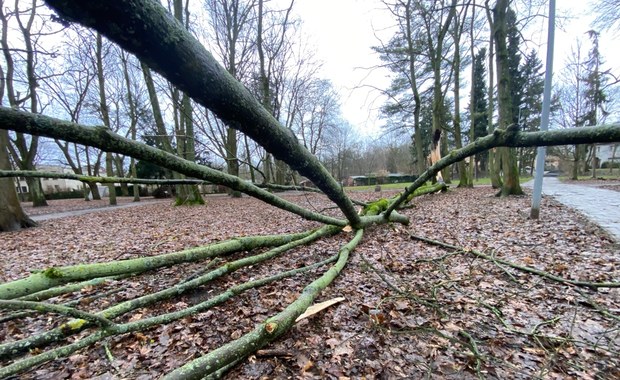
{"x":318,"y":307}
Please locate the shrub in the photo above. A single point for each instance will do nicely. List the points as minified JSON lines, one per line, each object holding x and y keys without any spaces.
{"x":613,"y":165}
{"x":72,"y":194}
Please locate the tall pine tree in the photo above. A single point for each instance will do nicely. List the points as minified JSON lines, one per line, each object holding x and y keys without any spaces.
{"x":479,"y":105}
{"x":595,"y":96}
{"x":530,"y":109}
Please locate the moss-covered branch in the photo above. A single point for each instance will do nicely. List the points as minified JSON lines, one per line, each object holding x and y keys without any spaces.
{"x":42,"y":307}
{"x":103,"y":138}
{"x":87,"y":179}
{"x":381,"y":205}
{"x":69,"y":288}
{"x":116,"y":329}
{"x":273,"y":186}
{"x":146,"y":29}
{"x":75,"y":326}
{"x":56,"y":276}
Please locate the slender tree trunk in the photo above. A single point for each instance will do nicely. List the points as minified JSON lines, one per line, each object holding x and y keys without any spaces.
{"x":464,"y":180}
{"x":103,"y":107}
{"x":494,"y":158}
{"x":417,"y":130}
{"x":94,"y":189}
{"x":472,"y":99}
{"x":232,"y":164}
{"x":249,"y":159}
{"x":134,"y":123}
{"x":594,"y":160}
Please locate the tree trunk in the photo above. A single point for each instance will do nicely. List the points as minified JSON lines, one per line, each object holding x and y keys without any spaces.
{"x":509,"y":167}
{"x":12,"y":216}
{"x":472,"y":168}
{"x":464,"y":180}
{"x":36,"y":192}
{"x":94,"y":191}
{"x":232,"y":164}
{"x":417,"y":102}
{"x":494,"y":158}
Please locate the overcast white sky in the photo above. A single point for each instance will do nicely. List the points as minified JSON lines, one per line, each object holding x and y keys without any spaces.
{"x":342,"y":34}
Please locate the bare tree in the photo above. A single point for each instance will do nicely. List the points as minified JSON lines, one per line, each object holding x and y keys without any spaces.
{"x":232,"y":23}
{"x":23,"y":149}
{"x":607,"y":15}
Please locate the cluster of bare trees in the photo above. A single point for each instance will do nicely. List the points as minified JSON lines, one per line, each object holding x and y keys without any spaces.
{"x":76,"y":74}
{"x":436,"y":40}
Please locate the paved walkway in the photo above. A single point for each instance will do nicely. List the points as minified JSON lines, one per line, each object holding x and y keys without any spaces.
{"x":601,"y":206}
{"x":42,"y":217}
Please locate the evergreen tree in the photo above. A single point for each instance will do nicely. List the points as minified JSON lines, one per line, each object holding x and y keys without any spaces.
{"x":530,"y":109}
{"x":480,"y":103}
{"x":594,"y":92}
{"x":513,"y":40}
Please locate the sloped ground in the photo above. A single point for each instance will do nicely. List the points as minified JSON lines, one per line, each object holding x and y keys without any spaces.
{"x":412,"y":309}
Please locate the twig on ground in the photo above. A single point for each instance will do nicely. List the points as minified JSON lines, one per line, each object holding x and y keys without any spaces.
{"x":522,"y":268}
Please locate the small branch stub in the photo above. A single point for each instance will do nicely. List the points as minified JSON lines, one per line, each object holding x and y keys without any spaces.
{"x":271,"y":327}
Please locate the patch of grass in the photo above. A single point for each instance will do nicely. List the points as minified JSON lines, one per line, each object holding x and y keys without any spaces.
{"x":600,"y":174}
{"x":487,"y":180}
{"x":397,"y":186}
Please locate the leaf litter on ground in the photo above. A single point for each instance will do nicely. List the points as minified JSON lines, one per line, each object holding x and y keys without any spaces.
{"x":411,"y":309}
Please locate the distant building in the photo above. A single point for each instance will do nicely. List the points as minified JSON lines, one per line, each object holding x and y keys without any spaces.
{"x":374,"y":179}
{"x":608,"y":155}
{"x":51,"y":185}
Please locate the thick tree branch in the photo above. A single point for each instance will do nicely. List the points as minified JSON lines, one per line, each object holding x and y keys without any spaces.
{"x":146,"y":29}
{"x":107,"y":140}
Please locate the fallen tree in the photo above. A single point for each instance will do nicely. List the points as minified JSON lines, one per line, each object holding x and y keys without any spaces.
{"x":191,"y":68}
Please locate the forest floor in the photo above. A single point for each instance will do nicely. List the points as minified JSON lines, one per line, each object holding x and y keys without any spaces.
{"x":411,"y":309}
